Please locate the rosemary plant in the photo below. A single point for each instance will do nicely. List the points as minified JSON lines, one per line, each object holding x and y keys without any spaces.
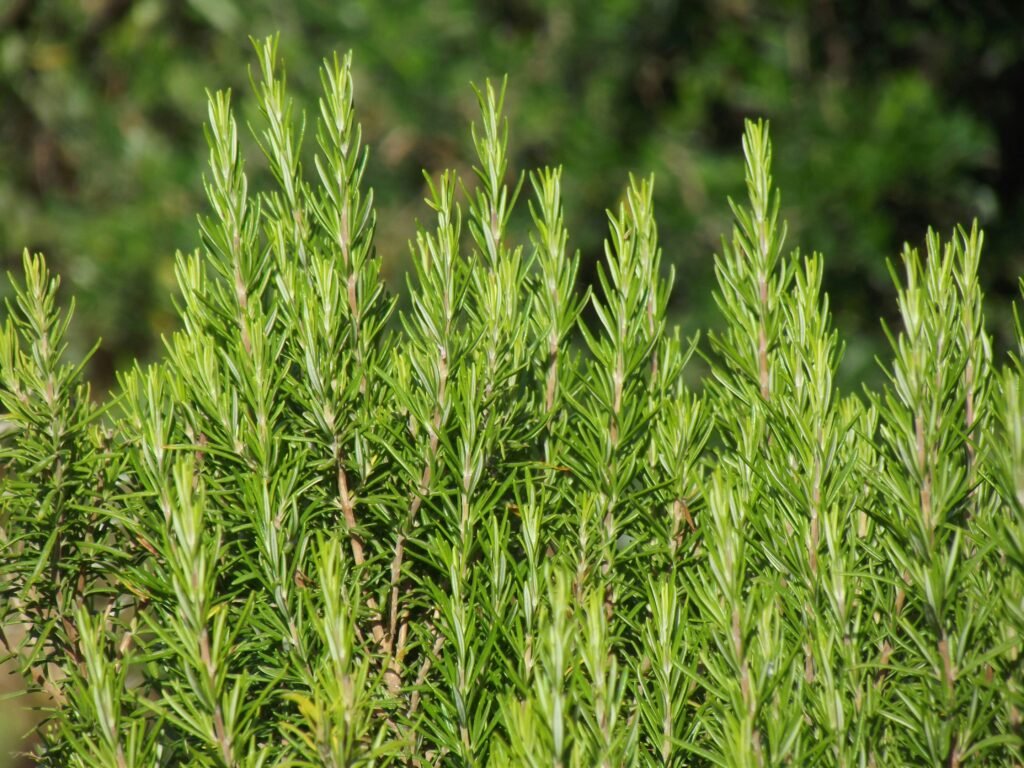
{"x":482,"y":531}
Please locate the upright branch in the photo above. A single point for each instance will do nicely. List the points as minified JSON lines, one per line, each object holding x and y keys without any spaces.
{"x":977,"y":349}
{"x":721,"y":592}
{"x":758,"y":232}
{"x":230,"y":236}
{"x":334,"y":298}
{"x":498,"y":282}
{"x":202,"y":693}
{"x":752,"y":276}
{"x":281,"y":142}
{"x":423,"y":382}
{"x":557,"y":309}
{"x":49,"y":470}
{"x":616,"y":403}
{"x":926,"y":480}
{"x":346,"y":214}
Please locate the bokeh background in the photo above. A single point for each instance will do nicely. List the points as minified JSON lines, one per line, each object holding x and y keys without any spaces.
{"x":887,"y":117}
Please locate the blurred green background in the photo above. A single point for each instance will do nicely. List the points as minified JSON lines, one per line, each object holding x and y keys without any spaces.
{"x":886,"y":117}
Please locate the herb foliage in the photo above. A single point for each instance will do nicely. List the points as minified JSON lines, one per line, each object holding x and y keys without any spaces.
{"x":322,"y":532}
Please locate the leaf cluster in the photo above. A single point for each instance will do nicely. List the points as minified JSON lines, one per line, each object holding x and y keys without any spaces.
{"x":323,"y":532}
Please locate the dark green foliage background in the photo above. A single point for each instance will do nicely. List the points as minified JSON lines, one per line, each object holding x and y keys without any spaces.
{"x":886,"y":120}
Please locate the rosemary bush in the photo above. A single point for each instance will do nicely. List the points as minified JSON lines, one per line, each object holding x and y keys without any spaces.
{"x":321,"y":532}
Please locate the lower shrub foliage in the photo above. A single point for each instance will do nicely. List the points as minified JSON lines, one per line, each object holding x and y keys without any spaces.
{"x":481,"y":531}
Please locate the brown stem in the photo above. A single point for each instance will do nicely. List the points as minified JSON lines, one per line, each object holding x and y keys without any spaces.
{"x":223,"y":738}
{"x":808,"y":664}
{"x":397,"y":646}
{"x":948,"y":670}
{"x":348,"y":510}
{"x":954,"y":754}
{"x":393,"y":675}
{"x":883,"y":662}
{"x":358,"y":556}
{"x":396,"y":570}
{"x":421,"y":676}
{"x":926,"y":484}
{"x":220,"y":733}
{"x":344,"y":236}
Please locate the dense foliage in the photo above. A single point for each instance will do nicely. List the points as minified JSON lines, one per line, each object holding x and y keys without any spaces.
{"x":897,"y":115}
{"x":481,"y":530}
